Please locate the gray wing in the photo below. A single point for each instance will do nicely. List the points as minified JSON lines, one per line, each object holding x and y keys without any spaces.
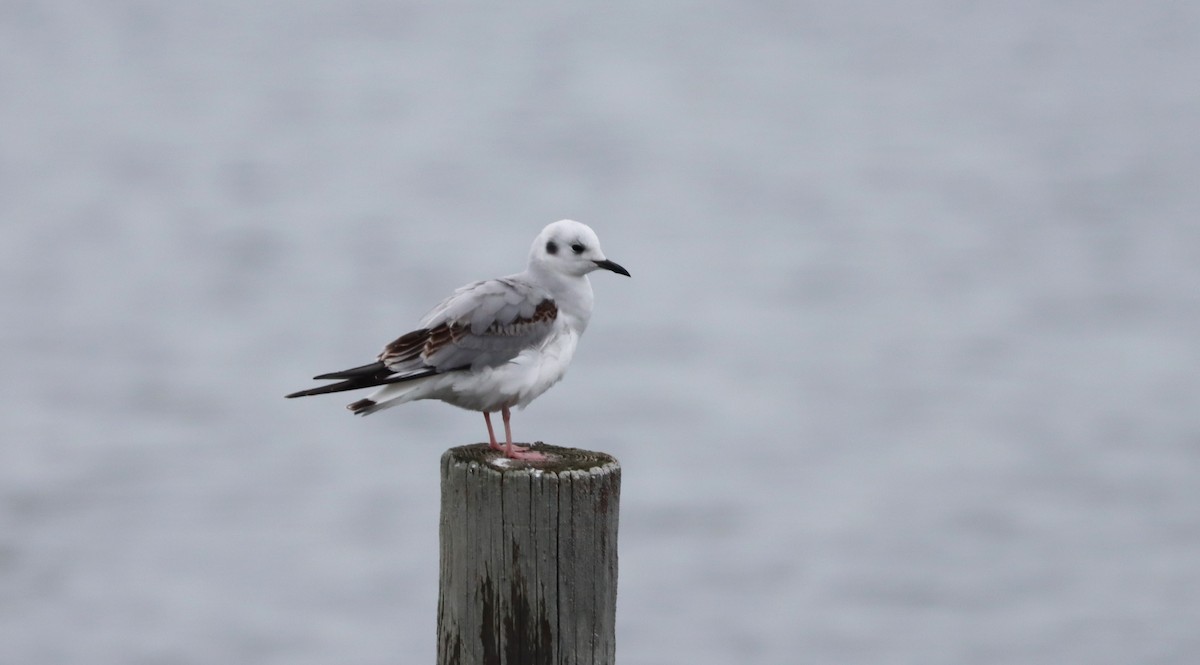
{"x":483,"y":324}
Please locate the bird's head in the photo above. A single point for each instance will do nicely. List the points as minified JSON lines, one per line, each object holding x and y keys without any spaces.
{"x":567,"y":247}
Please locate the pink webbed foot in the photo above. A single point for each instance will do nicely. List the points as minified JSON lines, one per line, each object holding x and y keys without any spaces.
{"x":524,"y":454}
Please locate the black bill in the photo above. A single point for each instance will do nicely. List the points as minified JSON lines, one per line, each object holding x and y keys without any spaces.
{"x":615,"y":267}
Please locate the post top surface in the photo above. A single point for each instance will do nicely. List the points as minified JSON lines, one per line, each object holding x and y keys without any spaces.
{"x":559,"y":459}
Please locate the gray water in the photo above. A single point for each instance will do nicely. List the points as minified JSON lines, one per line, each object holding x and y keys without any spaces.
{"x":907,"y":371}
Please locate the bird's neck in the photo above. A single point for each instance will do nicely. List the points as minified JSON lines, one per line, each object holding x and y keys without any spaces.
{"x":573,"y":296}
{"x":577,"y":304}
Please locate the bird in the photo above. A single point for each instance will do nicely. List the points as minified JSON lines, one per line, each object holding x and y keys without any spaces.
{"x":494,"y":344}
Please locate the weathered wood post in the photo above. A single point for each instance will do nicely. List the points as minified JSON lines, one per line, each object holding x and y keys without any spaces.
{"x":528,"y":558}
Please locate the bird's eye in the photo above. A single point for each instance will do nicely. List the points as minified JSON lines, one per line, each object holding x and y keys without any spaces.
{"x":577,"y":248}
{"x":551,"y":247}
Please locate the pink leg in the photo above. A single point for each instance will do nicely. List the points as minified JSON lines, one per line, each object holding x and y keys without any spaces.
{"x":516,"y":452}
{"x":487,"y":418}
{"x":507,"y":415}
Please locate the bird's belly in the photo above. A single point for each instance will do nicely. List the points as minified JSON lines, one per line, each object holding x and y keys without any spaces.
{"x":515,"y":383}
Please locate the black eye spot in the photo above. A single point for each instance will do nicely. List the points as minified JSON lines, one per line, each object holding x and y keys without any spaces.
{"x":551,"y":247}
{"x":577,"y":248}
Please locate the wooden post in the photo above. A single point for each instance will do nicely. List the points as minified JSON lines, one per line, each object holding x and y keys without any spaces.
{"x":528,"y":558}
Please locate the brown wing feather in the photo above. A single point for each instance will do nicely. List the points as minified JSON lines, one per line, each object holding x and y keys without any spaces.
{"x":427,"y":342}
{"x":407,"y":347}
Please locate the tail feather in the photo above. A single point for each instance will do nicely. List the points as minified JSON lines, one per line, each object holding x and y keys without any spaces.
{"x":389,"y":396}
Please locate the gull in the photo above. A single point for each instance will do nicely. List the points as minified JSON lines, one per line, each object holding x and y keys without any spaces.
{"x":494,"y":344}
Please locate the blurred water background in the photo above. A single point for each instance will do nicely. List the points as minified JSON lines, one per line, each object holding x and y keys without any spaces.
{"x":907,"y":371}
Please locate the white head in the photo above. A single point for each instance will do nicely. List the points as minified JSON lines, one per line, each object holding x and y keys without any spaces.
{"x":567,"y":247}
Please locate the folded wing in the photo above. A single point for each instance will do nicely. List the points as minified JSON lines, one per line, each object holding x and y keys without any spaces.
{"x":484,"y":324}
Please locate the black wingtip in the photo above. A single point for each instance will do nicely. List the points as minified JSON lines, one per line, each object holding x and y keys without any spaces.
{"x":341,"y":386}
{"x":315,"y":391}
{"x":348,"y":379}
{"x":362,"y":380}
{"x":372,"y":369}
